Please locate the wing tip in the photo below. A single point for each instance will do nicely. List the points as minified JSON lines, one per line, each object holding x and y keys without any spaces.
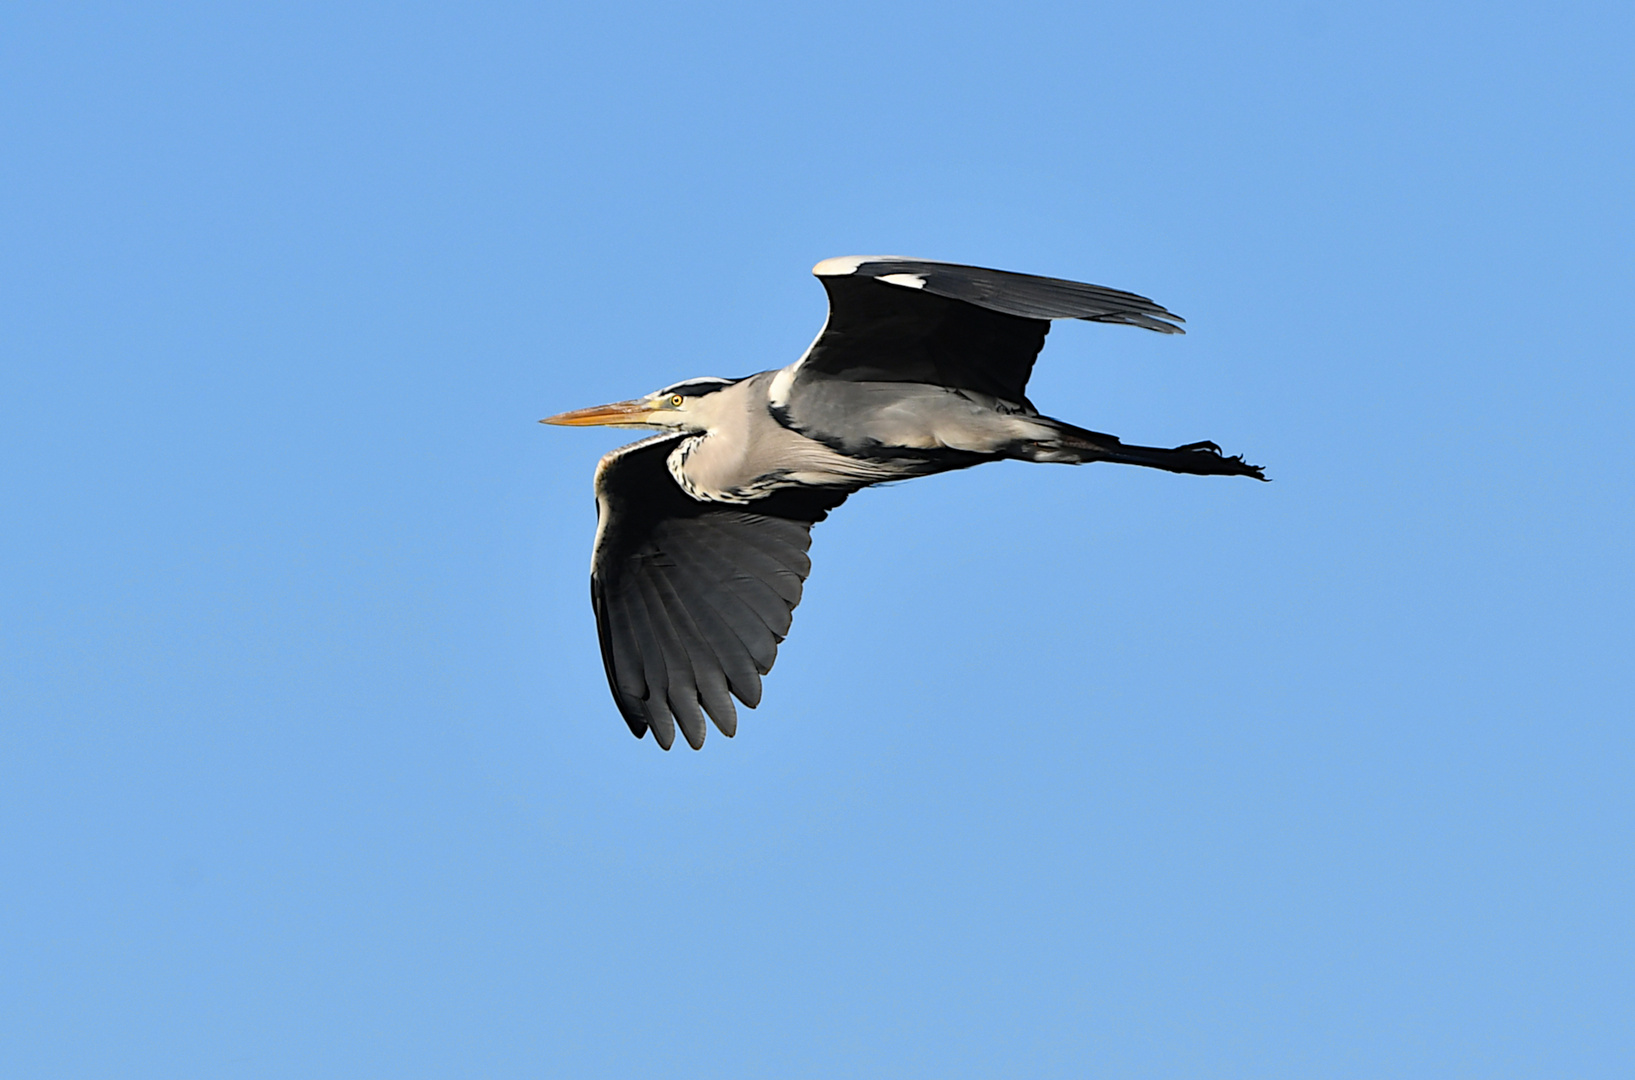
{"x":1158,"y":321}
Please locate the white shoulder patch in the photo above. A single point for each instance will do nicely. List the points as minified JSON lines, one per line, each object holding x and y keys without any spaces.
{"x":848,"y":264}
{"x":912,"y":281}
{"x":841,"y":266}
{"x":782,"y":382}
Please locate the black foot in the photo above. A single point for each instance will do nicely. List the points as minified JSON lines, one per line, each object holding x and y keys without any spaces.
{"x":1200,"y":459}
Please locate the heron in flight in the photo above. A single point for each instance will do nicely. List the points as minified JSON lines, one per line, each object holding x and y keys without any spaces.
{"x":703,"y":528}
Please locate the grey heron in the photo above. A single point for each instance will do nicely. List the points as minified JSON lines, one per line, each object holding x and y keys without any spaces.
{"x":703,"y":528}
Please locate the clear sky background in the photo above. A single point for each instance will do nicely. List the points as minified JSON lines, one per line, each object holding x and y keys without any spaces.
{"x":308,"y":767}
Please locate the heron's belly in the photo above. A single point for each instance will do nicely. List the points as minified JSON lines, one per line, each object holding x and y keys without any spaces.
{"x":721,"y":468}
{"x":863,"y":418}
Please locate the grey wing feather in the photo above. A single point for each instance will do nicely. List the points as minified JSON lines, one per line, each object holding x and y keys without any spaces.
{"x":706,"y":645}
{"x":681,"y":698}
{"x":737,"y":660}
{"x":653,"y":708}
{"x":697,"y":554}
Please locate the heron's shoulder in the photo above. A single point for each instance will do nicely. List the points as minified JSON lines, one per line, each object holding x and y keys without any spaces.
{"x":847,"y":265}
{"x":631,"y":463}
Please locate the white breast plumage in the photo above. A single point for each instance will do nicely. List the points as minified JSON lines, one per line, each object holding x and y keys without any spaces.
{"x":676,"y":462}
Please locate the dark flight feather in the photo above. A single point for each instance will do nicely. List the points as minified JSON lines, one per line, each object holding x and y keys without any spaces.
{"x":692,"y":598}
{"x":962,"y":327}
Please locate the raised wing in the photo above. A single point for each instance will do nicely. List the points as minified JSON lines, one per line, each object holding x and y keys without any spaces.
{"x":692,"y":598}
{"x":913,"y":320}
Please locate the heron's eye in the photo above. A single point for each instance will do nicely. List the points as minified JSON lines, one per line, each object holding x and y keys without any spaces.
{"x":675,"y":401}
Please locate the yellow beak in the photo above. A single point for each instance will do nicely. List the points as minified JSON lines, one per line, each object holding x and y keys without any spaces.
{"x":618,"y":414}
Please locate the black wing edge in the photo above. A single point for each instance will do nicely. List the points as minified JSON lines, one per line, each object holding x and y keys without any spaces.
{"x":680,"y":619}
{"x":1011,"y":293}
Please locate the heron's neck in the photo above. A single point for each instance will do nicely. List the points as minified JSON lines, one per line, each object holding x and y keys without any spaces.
{"x":714,"y":465}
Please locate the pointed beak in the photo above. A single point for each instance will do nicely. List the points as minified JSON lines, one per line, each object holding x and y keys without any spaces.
{"x":618,"y":414}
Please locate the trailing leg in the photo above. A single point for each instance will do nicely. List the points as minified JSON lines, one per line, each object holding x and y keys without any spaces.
{"x":1075,"y":445}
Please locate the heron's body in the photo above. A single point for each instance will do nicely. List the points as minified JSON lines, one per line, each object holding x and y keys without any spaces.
{"x":703,"y":529}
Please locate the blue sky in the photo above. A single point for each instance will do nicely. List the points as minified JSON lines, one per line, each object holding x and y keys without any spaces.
{"x":308,"y":766}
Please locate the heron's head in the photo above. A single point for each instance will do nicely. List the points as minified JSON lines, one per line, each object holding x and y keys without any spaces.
{"x":685,"y":406}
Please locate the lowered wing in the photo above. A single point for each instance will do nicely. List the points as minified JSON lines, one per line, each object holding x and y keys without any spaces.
{"x":692,"y":598}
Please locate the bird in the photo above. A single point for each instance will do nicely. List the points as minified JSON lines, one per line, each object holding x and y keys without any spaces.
{"x":703,"y":529}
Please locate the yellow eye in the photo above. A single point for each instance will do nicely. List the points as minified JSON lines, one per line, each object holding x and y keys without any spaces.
{"x":675,"y":401}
